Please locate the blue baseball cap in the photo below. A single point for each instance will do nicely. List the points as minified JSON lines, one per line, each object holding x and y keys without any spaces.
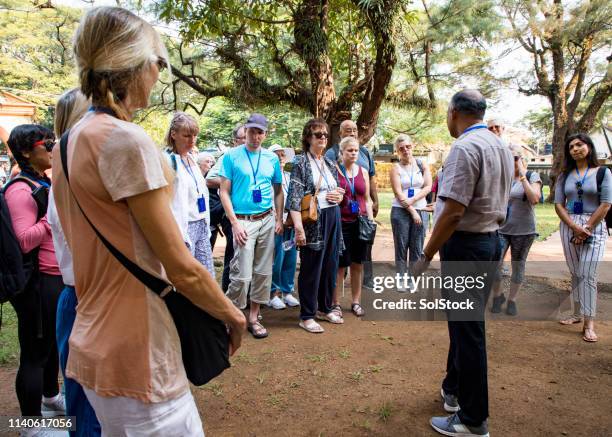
{"x":258,"y":121}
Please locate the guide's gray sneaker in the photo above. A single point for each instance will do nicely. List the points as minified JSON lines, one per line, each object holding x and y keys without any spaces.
{"x":451,"y":404}
{"x":452,"y":426}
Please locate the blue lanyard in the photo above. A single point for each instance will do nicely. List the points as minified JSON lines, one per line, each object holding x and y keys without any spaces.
{"x":255,"y":171}
{"x":43,"y":183}
{"x":190,"y":171}
{"x":350,"y":181}
{"x":321,"y":170}
{"x":586,"y":172}
{"x":478,"y":126}
{"x":103,"y":109}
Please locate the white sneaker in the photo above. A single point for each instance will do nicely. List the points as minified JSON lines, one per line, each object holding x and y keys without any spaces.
{"x":277,"y":303}
{"x":291,"y":301}
{"x":55,"y":407}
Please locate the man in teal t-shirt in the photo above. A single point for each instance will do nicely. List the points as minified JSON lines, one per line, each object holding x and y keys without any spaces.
{"x":251,"y":185}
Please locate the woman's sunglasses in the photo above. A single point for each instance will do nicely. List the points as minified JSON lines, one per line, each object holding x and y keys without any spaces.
{"x":320,"y":135}
{"x":48,"y":144}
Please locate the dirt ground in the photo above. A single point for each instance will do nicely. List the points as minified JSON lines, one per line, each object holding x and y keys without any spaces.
{"x":368,"y":378}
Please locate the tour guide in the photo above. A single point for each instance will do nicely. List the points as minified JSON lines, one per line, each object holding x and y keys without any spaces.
{"x":250,"y":181}
{"x":472,"y":199}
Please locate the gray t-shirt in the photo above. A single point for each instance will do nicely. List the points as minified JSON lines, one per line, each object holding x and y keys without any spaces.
{"x":364,"y":158}
{"x":477,"y":173}
{"x":566,"y":192}
{"x":520,"y":219}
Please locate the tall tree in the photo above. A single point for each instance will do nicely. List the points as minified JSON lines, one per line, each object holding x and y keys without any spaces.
{"x":564,"y":43}
{"x":36,"y":60}
{"x":328,"y":57}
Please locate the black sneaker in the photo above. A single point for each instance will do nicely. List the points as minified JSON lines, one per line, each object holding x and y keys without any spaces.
{"x":451,"y":404}
{"x":452,"y":426}
{"x":497,"y":303}
{"x":511,"y":309}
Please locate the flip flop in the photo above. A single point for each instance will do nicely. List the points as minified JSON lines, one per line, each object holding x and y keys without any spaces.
{"x":313,"y":328}
{"x":571,"y":320}
{"x":257,"y":330}
{"x":590,"y":338}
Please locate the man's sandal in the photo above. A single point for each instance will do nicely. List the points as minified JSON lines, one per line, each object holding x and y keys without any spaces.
{"x":337,"y":309}
{"x":571,"y":320}
{"x":312,"y":327}
{"x":357,"y":310}
{"x":589,"y":335}
{"x":257,"y":330}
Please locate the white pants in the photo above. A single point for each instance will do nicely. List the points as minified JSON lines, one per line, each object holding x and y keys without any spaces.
{"x":126,"y":417}
{"x":583,"y":261}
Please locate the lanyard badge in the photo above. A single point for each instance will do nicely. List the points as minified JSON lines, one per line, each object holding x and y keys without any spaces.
{"x":201,"y":204}
{"x":256,"y":191}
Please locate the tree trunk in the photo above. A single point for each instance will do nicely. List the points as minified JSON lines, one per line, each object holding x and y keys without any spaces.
{"x":381,"y":23}
{"x":311,"y":42}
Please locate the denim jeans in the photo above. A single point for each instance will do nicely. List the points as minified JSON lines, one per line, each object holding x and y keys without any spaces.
{"x":283,"y":272}
{"x":77,"y":405}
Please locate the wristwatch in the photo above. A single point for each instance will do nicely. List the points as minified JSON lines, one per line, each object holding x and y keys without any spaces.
{"x":522,"y":178}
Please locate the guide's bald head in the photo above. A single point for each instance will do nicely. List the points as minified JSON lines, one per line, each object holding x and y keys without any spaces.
{"x":465,"y":108}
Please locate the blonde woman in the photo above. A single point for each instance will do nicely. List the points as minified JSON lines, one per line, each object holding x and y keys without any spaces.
{"x":190,"y":202}
{"x":411,"y":182}
{"x":70,"y":107}
{"x":124,"y":348}
{"x":354,"y":180}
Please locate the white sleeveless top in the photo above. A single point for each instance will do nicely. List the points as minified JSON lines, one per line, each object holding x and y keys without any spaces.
{"x":411,"y":176}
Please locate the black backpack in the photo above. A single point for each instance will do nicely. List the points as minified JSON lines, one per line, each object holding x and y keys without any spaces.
{"x":601,"y":172}
{"x":16,"y":269}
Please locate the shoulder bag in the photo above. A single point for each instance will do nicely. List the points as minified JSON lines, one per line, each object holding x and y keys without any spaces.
{"x":204,"y":339}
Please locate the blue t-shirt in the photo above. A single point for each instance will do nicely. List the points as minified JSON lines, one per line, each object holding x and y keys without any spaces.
{"x":237,"y":168}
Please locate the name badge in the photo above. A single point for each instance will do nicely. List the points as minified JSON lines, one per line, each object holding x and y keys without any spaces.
{"x":410,"y":192}
{"x":201,"y":204}
{"x":257,"y":195}
{"x":578,"y":208}
{"x":354,"y":207}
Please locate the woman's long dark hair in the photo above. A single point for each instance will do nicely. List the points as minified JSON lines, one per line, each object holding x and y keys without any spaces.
{"x":569,"y":163}
{"x":22,"y":141}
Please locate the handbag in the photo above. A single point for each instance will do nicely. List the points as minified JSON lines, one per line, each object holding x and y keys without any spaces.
{"x":204,"y":339}
{"x":309,"y":207}
{"x":367,"y":228}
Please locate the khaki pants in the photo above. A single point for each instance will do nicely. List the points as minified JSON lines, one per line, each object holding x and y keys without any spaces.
{"x":252,"y":263}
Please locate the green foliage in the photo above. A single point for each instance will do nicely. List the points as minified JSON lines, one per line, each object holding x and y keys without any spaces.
{"x":36,"y":60}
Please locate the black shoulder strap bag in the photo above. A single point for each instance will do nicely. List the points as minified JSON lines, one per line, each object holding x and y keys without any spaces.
{"x":204,"y":339}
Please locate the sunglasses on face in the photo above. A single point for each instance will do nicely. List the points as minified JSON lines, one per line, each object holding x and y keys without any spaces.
{"x":320,"y":135}
{"x":161,"y":63}
{"x":48,"y":144}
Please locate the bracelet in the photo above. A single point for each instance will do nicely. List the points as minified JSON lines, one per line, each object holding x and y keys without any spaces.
{"x":522,"y":178}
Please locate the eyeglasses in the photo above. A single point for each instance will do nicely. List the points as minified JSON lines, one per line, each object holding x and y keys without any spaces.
{"x":320,"y":135}
{"x":494,"y":127}
{"x":48,"y":144}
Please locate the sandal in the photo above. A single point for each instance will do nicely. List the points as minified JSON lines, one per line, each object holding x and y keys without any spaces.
{"x":589,"y":335}
{"x":337,"y":309}
{"x":357,"y":310}
{"x":330,"y":317}
{"x":571,"y":320}
{"x":257,"y":330}
{"x":313,"y":327}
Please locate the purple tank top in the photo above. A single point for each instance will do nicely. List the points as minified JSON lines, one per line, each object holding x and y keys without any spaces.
{"x":360,"y":196}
